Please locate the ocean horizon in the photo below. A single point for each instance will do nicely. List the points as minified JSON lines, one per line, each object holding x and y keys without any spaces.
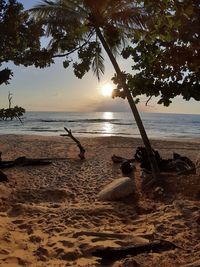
{"x":157,"y":125}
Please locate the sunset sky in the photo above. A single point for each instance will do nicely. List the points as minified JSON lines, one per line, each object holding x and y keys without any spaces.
{"x":57,"y":89}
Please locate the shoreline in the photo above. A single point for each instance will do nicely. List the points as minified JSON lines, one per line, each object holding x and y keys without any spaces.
{"x":163,"y":139}
{"x":45,"y":211}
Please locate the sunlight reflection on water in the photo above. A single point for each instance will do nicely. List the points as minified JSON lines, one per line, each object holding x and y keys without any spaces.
{"x":108,"y":115}
{"x":107,"y":128}
{"x":105,"y":124}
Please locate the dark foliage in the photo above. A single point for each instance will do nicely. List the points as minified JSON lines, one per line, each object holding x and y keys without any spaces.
{"x":11,"y":113}
{"x":20,"y":39}
{"x":166,"y":54}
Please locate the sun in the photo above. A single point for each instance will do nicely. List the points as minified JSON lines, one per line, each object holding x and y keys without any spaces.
{"x":106,"y":89}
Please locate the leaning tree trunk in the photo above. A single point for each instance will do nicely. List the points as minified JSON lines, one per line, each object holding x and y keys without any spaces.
{"x":153,"y":163}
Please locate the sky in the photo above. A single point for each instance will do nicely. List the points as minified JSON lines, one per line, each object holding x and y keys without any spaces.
{"x":58,"y":89}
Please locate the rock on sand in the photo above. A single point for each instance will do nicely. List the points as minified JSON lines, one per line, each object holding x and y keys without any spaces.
{"x":118,"y":189}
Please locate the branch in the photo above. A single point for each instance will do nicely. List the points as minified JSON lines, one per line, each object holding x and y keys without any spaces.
{"x":23,"y":161}
{"x":148,"y":100}
{"x":3,"y":177}
{"x":76,"y":48}
{"x":19,"y":119}
{"x":110,"y":254}
{"x":72,"y":51}
{"x":82,"y":150}
{"x":9,"y":99}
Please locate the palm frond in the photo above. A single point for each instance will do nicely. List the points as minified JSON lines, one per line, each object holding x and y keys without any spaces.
{"x":53,"y":10}
{"x":129,"y":18}
{"x":60,"y":13}
{"x":98,"y":67}
{"x":69,"y":21}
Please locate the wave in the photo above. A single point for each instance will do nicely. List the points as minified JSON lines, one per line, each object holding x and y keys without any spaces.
{"x":122,"y":123}
{"x":83,"y":120}
{"x":102,"y":133}
{"x":42,"y":130}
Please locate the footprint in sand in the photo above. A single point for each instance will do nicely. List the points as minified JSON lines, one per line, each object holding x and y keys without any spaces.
{"x":35,"y":239}
{"x":4,"y":252}
{"x":66,"y":243}
{"x":42,"y":253}
{"x":18,"y":221}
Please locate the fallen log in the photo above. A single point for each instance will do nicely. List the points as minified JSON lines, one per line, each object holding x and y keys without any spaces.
{"x":3,"y":177}
{"x":23,"y":161}
{"x":6,"y":164}
{"x":111,"y":254}
{"x":82,"y":150}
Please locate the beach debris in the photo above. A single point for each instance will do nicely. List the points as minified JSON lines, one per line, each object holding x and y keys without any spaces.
{"x":127,"y":165}
{"x":81,"y":148}
{"x":23,"y":161}
{"x":118,"y":189}
{"x":118,"y":159}
{"x":158,"y":192}
{"x":3,"y":177}
{"x":144,"y":173}
{"x":183,"y":165}
{"x":179,"y":164}
{"x":111,"y":254}
{"x":142,"y":157}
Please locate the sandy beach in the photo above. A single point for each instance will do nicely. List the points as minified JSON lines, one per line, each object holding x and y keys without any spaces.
{"x":49,"y":214}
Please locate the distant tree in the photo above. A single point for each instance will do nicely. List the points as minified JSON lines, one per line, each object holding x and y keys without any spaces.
{"x":19,"y":39}
{"x":11,"y":113}
{"x":166,"y":56}
{"x":85,"y":25}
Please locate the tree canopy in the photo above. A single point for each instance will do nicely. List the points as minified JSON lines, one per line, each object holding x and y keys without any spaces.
{"x":20,"y":39}
{"x":12,"y":113}
{"x":166,"y":55}
{"x":86,"y":26}
{"x":71,"y":25}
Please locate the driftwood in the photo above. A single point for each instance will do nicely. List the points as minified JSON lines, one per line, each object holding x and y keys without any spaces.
{"x":3,"y":177}
{"x":82,"y":150}
{"x":110,"y":254}
{"x":23,"y":161}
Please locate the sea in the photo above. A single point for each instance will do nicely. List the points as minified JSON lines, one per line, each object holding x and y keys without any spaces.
{"x":157,"y":125}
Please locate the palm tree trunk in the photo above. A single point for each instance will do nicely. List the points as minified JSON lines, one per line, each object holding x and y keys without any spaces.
{"x":152,"y":160}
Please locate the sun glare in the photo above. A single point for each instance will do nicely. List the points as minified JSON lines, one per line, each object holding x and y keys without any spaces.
{"x":106,"y":89}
